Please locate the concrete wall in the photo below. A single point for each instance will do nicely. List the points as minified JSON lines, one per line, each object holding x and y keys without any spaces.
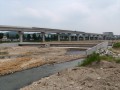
{"x":103,"y":45}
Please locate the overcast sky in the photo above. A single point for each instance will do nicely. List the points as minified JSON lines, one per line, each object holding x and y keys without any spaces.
{"x":94,"y":16}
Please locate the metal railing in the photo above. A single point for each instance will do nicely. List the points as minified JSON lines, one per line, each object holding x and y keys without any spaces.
{"x":103,"y":45}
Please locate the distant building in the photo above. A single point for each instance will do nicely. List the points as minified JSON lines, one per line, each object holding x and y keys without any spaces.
{"x":108,"y":35}
{"x":12,"y":34}
{"x":5,"y":38}
{"x":117,"y":37}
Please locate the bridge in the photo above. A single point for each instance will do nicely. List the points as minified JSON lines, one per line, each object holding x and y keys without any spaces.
{"x":59,"y":32}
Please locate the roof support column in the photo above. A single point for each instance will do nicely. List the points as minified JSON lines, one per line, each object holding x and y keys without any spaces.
{"x":94,"y":38}
{"x":43,"y":36}
{"x":98,"y":38}
{"x":78,"y":37}
{"x":89,"y":37}
{"x":105,"y":37}
{"x":102,"y":37}
{"x":58,"y":36}
{"x":83,"y":36}
{"x":21,"y":36}
{"x":69,"y":36}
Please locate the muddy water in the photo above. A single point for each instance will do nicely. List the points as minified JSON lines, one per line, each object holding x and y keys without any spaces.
{"x":20,"y":79}
{"x":76,"y":52}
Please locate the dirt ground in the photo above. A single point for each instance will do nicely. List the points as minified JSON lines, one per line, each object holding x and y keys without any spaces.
{"x":102,"y":76}
{"x":19,"y":58}
{"x":105,"y":76}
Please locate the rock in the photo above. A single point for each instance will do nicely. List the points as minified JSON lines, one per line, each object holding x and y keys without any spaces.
{"x":81,"y":88}
{"x":47,"y":77}
{"x":118,"y":55}
{"x":98,"y":78}
{"x":90,"y":85}
{"x":38,"y":82}
{"x":74,"y":69}
{"x":83,"y":83}
{"x":108,"y":84}
{"x":35,"y":83}
{"x":58,"y":74}
{"x":71,"y":83}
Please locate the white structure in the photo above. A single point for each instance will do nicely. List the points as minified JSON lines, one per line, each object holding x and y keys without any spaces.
{"x":4,"y":38}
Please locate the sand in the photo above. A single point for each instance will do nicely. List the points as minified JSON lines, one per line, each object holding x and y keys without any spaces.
{"x":18,"y":58}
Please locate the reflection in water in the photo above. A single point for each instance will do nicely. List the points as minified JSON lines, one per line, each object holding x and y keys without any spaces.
{"x":76,"y":52}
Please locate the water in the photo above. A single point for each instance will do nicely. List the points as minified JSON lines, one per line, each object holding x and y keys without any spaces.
{"x":20,"y":79}
{"x":76,"y":52}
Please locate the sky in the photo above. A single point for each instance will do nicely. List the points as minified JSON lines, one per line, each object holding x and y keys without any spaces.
{"x":94,"y":16}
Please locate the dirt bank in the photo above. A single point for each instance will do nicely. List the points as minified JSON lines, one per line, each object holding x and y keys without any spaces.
{"x":105,"y":76}
{"x":19,"y":58}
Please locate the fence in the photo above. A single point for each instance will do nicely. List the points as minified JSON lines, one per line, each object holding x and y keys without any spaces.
{"x":103,"y":45}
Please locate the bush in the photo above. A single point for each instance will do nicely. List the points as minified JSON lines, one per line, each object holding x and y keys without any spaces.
{"x":118,"y":60}
{"x":110,"y":59}
{"x":3,"y":53}
{"x":116,"y":45}
{"x":95,"y":57}
{"x":107,"y":58}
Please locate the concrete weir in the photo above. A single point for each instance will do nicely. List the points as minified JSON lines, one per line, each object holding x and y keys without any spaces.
{"x":57,"y":45}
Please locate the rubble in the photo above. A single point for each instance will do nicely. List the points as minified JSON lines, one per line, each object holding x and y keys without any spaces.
{"x":83,"y":78}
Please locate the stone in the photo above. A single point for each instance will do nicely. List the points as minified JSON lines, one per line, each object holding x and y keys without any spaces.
{"x":71,"y":83}
{"x":98,"y":78}
{"x":90,"y":85}
{"x":83,"y":83}
{"x":108,"y":84}
{"x":81,"y":88}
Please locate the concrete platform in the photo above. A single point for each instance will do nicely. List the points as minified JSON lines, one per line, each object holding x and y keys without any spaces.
{"x":57,"y":44}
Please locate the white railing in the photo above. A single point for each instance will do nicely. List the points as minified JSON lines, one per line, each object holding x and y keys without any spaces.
{"x":103,"y":45}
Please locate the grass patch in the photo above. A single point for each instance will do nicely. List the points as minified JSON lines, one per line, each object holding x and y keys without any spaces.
{"x":107,"y":58}
{"x":110,"y":59}
{"x":118,"y":60}
{"x":116,"y":45}
{"x":95,"y":57}
{"x":3,"y":53}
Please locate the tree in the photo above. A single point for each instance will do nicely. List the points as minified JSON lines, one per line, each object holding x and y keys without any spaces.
{"x":24,"y":37}
{"x":34,"y":36}
{"x":39,"y":37}
{"x":1,"y":35}
{"x":28,"y":37}
{"x":17,"y":36}
{"x":8,"y":36}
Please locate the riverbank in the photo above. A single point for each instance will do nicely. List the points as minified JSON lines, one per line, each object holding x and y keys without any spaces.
{"x":17,"y":58}
{"x":105,"y":76}
{"x":102,"y":75}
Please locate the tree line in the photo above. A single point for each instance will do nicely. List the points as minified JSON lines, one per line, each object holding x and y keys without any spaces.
{"x":30,"y":37}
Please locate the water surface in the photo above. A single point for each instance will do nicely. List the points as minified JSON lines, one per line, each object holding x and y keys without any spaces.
{"x":20,"y":79}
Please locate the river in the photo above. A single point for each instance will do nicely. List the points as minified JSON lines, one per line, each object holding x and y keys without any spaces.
{"x":20,"y":79}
